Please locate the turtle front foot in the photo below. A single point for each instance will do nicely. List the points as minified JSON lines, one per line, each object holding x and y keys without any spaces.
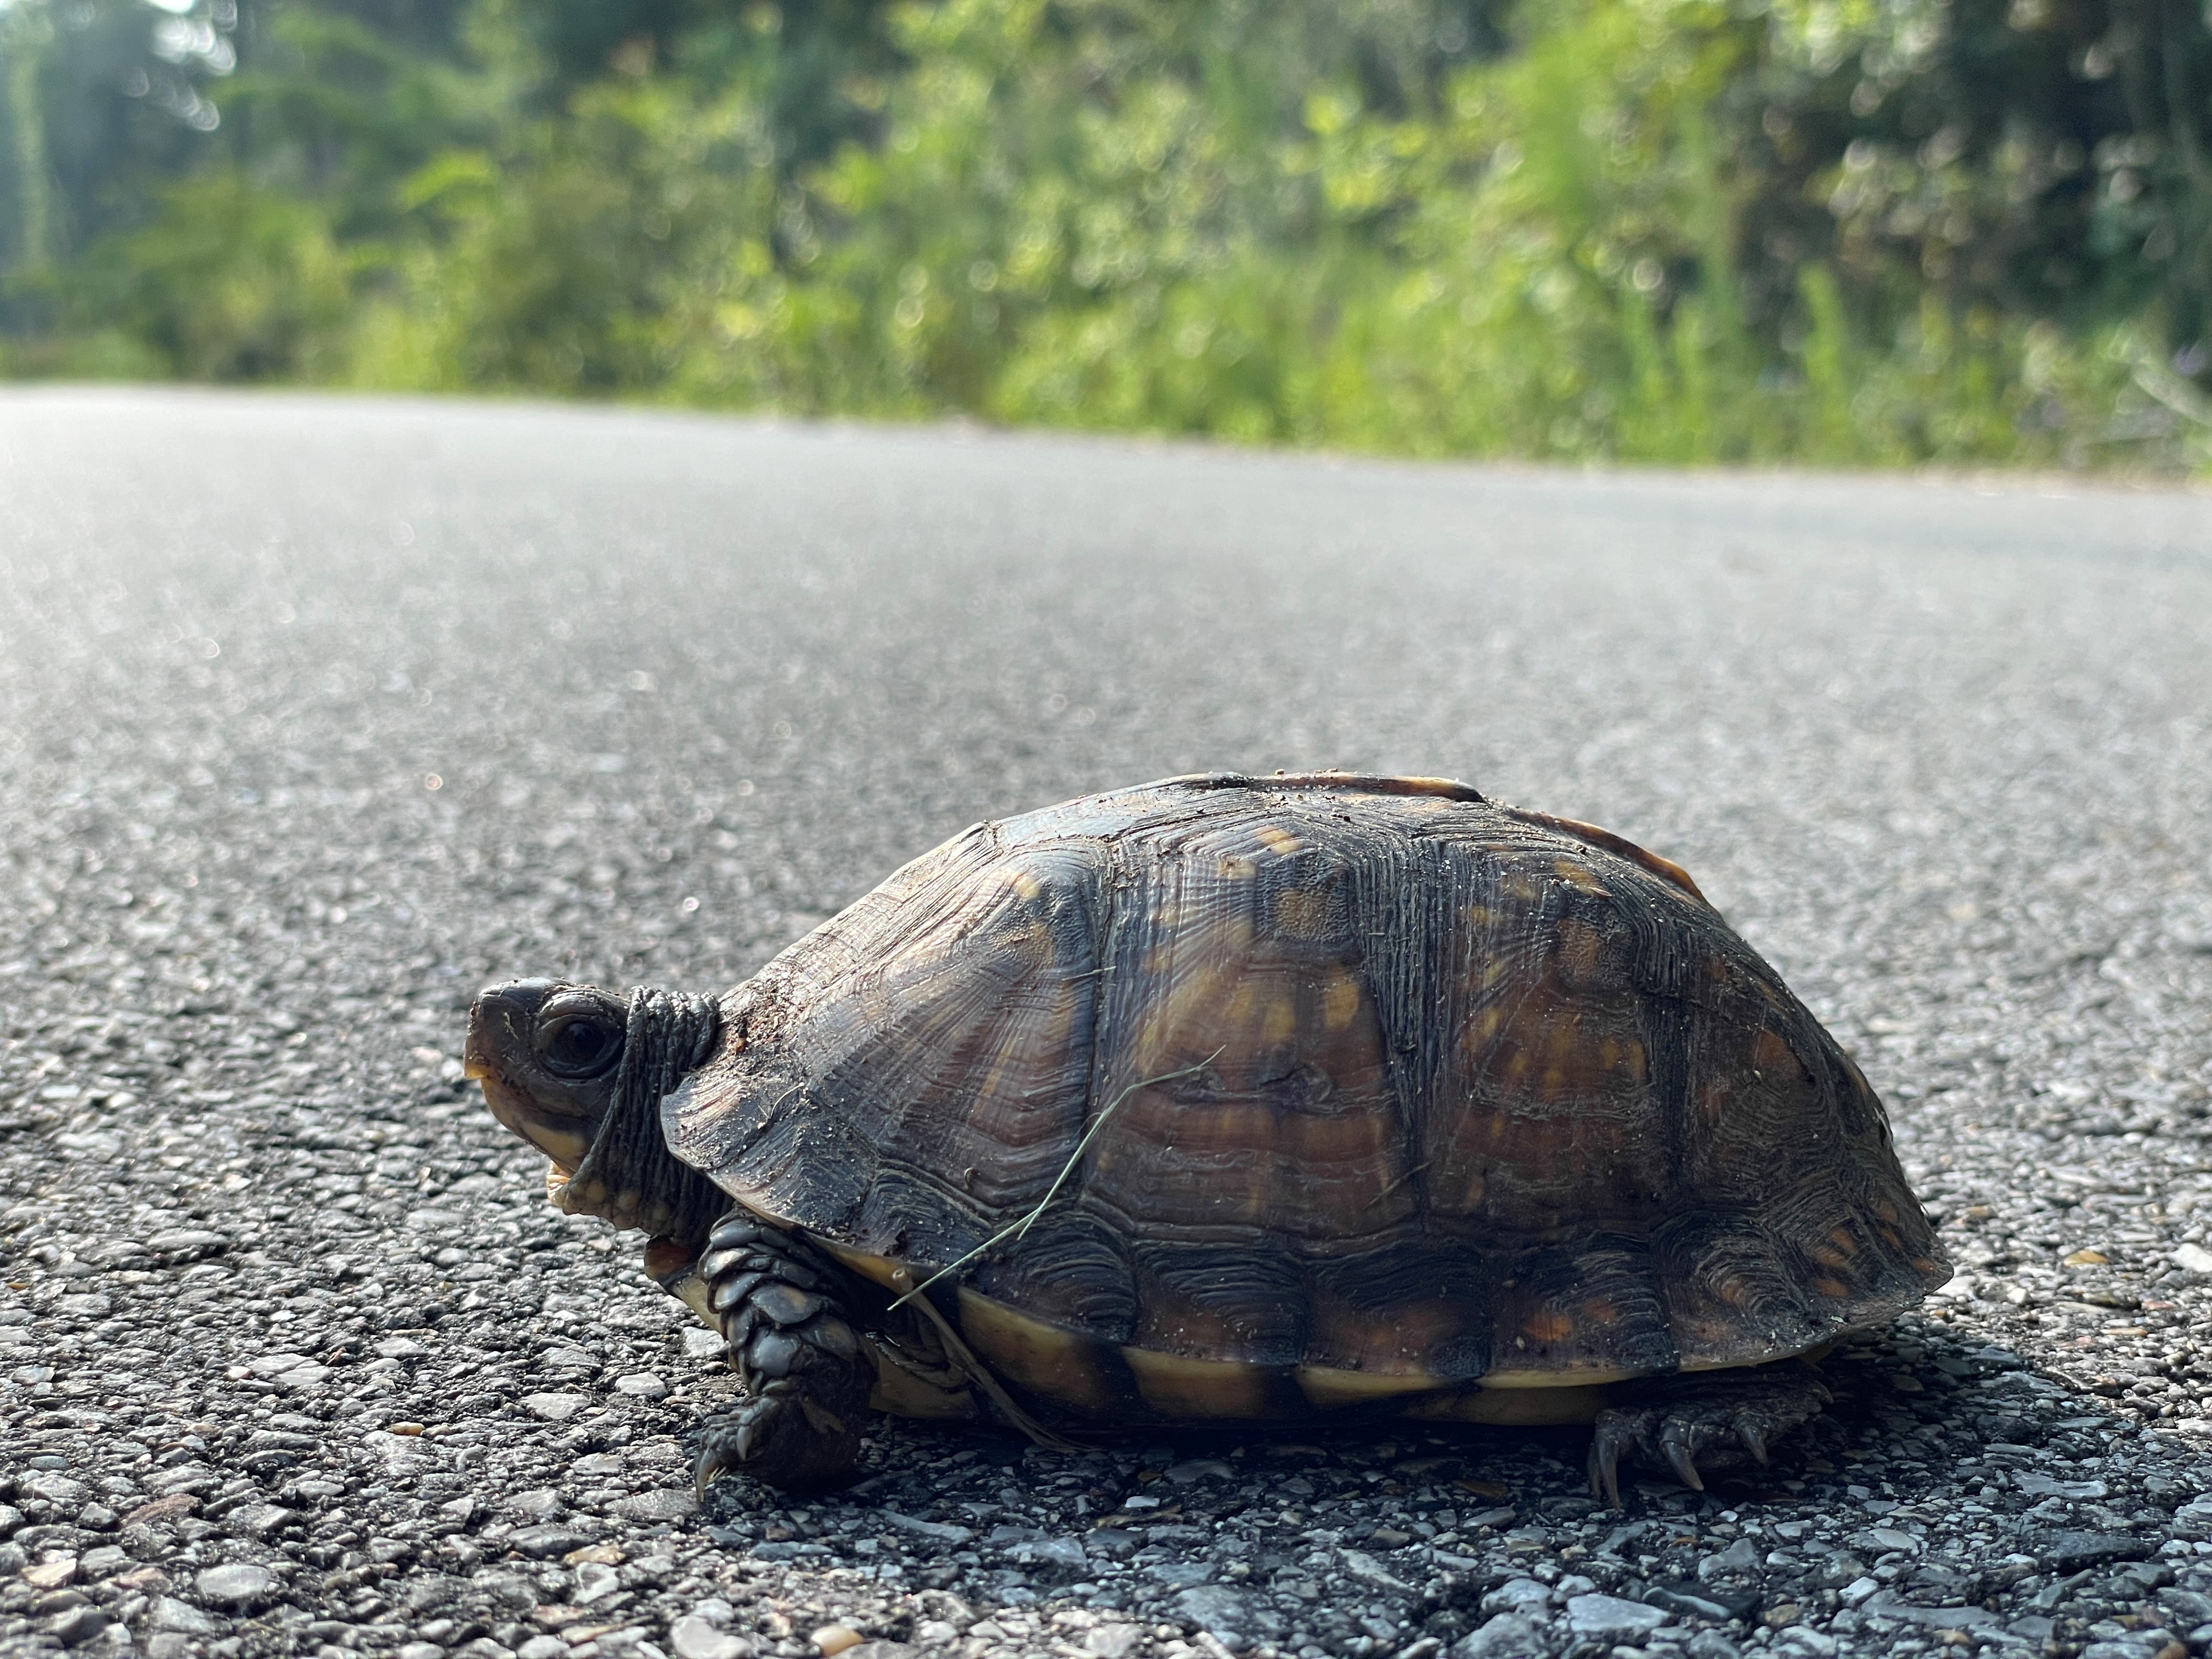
{"x":1723,"y":1418}
{"x":805,"y":1370}
{"x":781,"y":1436}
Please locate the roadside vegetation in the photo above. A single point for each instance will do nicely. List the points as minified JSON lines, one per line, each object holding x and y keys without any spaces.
{"x":1858,"y":232}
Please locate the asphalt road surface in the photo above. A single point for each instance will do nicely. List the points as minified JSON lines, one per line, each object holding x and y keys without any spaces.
{"x":319,"y":713}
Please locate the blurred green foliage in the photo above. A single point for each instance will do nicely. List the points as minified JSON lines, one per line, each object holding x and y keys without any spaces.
{"x":1841,"y":231}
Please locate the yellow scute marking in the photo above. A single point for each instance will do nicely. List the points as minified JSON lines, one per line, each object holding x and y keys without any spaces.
{"x":1575,"y":876}
{"x":1771,"y":1053}
{"x":1176,"y":1387}
{"x":1329,"y":1385}
{"x":1040,"y":1357}
{"x":1513,"y":1408}
{"x":882,"y":1270}
{"x":1541,"y":1382}
{"x":1242,"y":1001}
{"x":1339,"y":1000}
{"x":1549,"y":1326}
{"x":1279,"y":840}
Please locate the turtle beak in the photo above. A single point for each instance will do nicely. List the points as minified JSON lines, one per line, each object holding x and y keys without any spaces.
{"x":499,"y":1026}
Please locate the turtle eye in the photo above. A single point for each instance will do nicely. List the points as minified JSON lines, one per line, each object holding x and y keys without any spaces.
{"x":578,"y":1047}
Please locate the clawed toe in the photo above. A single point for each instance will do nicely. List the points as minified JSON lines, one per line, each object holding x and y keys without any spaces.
{"x":731,"y":1444}
{"x":1754,"y":1442}
{"x":1605,"y":1467}
{"x":779,"y":1437}
{"x":1675,"y":1423}
{"x":1679,"y":1460}
{"x":1617,"y":1432}
{"x":710,"y":1463}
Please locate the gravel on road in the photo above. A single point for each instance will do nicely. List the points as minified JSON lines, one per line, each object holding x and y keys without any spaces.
{"x":316,"y":714}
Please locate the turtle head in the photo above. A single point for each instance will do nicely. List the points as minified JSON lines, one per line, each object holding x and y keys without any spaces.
{"x":580,"y":1073}
{"x":547,"y":1055}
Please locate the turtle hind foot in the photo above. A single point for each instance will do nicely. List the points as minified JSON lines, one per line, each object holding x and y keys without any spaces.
{"x":806,"y":1374}
{"x":1720,"y":1419}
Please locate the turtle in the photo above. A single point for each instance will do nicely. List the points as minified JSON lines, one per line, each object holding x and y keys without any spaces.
{"x":1232,"y":1097}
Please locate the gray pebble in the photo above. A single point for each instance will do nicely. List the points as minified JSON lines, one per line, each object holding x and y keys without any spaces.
{"x":1611,"y":1618}
{"x":1506,"y":1636}
{"x":235,"y":1584}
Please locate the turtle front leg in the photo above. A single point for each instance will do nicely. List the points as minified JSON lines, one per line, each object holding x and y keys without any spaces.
{"x":1725,"y":1417}
{"x":806,"y":1374}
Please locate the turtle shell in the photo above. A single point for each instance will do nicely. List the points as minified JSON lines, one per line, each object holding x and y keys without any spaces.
{"x":1228,"y":1096}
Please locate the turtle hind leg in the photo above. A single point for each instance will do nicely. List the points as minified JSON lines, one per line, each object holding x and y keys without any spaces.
{"x":1719,"y":1418}
{"x":806,"y":1373}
